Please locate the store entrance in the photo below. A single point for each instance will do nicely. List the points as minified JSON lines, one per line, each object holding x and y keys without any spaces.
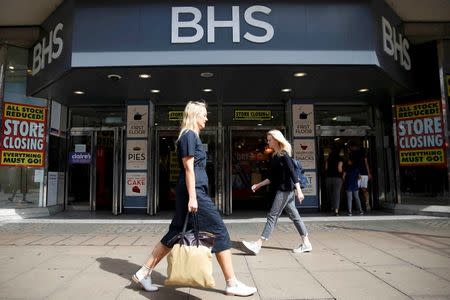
{"x":95,"y":169}
{"x":247,"y":162}
{"x":341,"y":137}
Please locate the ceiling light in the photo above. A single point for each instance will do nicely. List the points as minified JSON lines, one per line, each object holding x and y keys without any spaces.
{"x":206,"y":74}
{"x":114,"y":77}
{"x":364,"y":90}
{"x":287,"y":90}
{"x":11,"y":67}
{"x":259,"y":124}
{"x":155,"y":91}
{"x":207,"y":90}
{"x":299,"y":74}
{"x":78,"y":92}
{"x":144,"y":76}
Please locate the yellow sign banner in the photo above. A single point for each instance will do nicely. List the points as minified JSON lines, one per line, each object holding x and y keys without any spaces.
{"x":419,"y":110}
{"x":253,"y":115}
{"x":176,"y":115}
{"x":421,"y":157}
{"x":24,"y":112}
{"x":21,"y":158}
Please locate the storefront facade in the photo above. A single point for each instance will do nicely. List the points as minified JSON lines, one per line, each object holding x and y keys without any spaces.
{"x":110,"y":81}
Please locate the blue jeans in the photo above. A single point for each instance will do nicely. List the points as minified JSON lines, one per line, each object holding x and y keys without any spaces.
{"x":350,"y":196}
{"x":283,"y":200}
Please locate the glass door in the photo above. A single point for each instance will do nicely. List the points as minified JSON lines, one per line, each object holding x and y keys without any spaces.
{"x":80,"y":172}
{"x":247,"y":163}
{"x":95,"y":169}
{"x":167,"y":168}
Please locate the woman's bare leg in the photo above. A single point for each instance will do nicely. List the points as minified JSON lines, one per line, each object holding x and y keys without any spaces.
{"x":226,"y":264}
{"x":158,"y":253}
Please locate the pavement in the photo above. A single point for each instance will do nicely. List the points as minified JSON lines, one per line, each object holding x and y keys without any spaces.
{"x":380,"y":256}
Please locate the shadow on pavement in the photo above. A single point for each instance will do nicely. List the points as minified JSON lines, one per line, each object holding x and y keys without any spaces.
{"x":125,"y":269}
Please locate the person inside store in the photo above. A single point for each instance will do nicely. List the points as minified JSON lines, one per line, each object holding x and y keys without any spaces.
{"x":192,"y":196}
{"x":359,"y":157}
{"x":351,"y":176}
{"x":284,"y":180}
{"x":333,"y":181}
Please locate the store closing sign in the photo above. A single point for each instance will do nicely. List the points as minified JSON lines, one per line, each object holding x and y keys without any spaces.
{"x":420,"y":134}
{"x":23,"y":135}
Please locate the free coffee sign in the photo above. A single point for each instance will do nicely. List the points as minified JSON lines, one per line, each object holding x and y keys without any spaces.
{"x":23,"y":135}
{"x":420,"y":134}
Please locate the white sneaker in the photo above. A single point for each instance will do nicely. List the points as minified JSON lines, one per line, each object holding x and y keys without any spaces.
{"x":252,"y":247}
{"x":145,"y":283}
{"x":303,"y":248}
{"x":240,"y":289}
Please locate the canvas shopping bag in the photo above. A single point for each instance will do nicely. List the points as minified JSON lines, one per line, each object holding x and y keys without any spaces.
{"x":189,"y":263}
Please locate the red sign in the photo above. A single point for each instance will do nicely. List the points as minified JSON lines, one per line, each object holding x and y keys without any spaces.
{"x":420,"y":134}
{"x":24,"y":131}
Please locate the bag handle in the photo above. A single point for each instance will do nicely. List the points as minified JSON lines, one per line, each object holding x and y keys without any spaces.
{"x":196,"y":228}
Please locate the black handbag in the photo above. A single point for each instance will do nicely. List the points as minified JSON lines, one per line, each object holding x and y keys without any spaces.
{"x":189,"y":263}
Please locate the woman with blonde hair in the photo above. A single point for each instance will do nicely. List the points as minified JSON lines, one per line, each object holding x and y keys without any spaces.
{"x":192,"y":196}
{"x":283,"y":178}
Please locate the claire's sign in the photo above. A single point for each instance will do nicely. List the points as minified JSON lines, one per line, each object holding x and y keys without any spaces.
{"x":420,"y":134}
{"x":23,"y":135}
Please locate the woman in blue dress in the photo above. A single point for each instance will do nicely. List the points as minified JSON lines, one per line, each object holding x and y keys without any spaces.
{"x":192,"y":196}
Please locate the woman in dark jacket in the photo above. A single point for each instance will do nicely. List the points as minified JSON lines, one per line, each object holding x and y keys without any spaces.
{"x":284,"y":180}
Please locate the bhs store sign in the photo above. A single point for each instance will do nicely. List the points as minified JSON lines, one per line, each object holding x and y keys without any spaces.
{"x":44,"y":52}
{"x":211,"y":24}
{"x":395,"y":45}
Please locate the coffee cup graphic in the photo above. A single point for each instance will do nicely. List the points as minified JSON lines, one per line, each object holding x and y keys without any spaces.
{"x":138,"y":116}
{"x":303,"y":115}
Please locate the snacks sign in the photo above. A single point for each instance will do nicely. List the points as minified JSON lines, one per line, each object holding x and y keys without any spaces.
{"x":23,"y":135}
{"x":420,"y":134}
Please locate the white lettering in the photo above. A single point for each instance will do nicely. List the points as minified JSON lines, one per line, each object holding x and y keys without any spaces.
{"x":212,"y":24}
{"x":395,"y":45}
{"x":41,"y":49}
{"x":177,"y":24}
{"x":234,"y":23}
{"x":248,"y":16}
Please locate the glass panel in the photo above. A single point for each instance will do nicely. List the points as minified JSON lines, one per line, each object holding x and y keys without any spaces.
{"x":250,"y":164}
{"x":421,"y":185}
{"x":169,"y":169}
{"x":104,"y":170}
{"x":79,"y":173}
{"x":20,"y":187}
{"x":97,"y":117}
{"x":342,"y":115}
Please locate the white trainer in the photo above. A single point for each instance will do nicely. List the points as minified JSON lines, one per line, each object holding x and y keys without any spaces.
{"x":240,"y":289}
{"x":252,"y":247}
{"x":303,"y":248}
{"x":145,"y":282}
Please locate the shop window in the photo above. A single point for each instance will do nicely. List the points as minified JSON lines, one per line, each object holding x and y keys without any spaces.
{"x":21,"y":184}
